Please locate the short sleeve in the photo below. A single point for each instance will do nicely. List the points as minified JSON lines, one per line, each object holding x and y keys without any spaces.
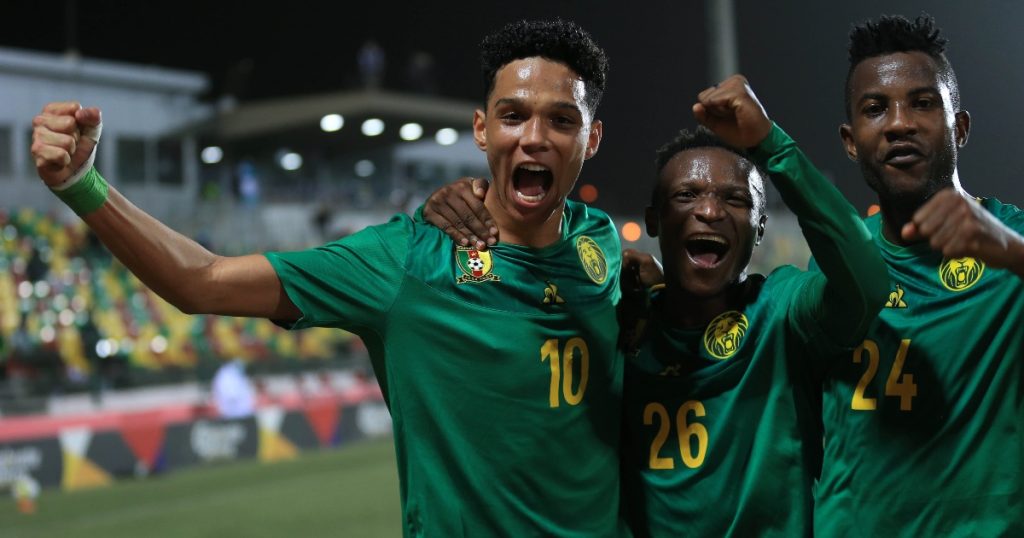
{"x":348,"y":283}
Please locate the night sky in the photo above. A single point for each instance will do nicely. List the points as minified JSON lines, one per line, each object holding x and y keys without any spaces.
{"x":793,"y":52}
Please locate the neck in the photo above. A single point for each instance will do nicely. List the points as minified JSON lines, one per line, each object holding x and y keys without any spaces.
{"x":897,"y":213}
{"x":533,"y":231}
{"x":684,"y":310}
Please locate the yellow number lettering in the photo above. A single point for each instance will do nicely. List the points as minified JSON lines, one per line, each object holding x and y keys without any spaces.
{"x":904,"y":386}
{"x":686,"y":431}
{"x":860,"y":403}
{"x":574,"y":345}
{"x":897,"y":383}
{"x":655,"y":461}
{"x":563,"y":362}
{"x":549,"y":351}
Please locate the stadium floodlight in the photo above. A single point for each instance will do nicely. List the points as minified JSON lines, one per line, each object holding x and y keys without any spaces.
{"x":373,"y":127}
{"x":365,"y":168}
{"x":447,"y":136}
{"x":410,"y":132}
{"x":211,"y":155}
{"x":291,"y":161}
{"x":332,"y":123}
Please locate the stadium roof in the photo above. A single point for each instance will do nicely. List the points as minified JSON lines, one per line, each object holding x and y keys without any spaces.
{"x":253,"y":119}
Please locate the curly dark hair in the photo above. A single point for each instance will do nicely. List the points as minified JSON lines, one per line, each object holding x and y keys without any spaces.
{"x":895,"y":33}
{"x":702,"y":137}
{"x":557,"y":40}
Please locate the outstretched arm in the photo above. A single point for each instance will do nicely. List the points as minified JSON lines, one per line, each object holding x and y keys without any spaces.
{"x":856,"y":279}
{"x":175,"y":267}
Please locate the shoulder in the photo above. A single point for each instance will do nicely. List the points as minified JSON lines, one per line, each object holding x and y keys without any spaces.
{"x":1009,"y":214}
{"x":585,"y":221}
{"x":786,"y":283}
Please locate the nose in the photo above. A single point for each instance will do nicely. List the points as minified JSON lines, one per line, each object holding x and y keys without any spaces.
{"x":535,"y":135}
{"x":900,"y":121}
{"x":709,"y":209}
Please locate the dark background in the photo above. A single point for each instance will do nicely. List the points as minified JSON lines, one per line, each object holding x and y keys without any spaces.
{"x":793,"y":52}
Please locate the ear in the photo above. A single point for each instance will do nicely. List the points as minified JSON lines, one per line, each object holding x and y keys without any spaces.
{"x":594,"y":139}
{"x":846,"y":133}
{"x":651,"y":221}
{"x":480,"y":129}
{"x":760,"y":229}
{"x":963,"y":127}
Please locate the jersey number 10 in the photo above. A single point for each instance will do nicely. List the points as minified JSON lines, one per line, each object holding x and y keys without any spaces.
{"x":562,"y":369}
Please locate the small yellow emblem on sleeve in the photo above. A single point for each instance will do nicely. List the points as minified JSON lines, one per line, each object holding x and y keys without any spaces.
{"x":592,"y":259}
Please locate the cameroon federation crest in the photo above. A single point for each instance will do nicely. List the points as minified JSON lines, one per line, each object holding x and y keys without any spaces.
{"x":476,"y":266}
{"x":958,"y":274}
{"x":724,"y":334}
{"x":592,"y":259}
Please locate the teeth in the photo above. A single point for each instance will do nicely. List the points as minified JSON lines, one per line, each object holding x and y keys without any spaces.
{"x":532,"y":199}
{"x":709,"y":237}
{"x":530,"y":167}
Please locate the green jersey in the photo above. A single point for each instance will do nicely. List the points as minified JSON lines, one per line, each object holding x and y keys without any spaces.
{"x":924,"y":420}
{"x":722,"y":423}
{"x":499,"y":368}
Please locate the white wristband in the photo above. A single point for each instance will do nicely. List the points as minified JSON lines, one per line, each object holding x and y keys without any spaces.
{"x":94,"y":134}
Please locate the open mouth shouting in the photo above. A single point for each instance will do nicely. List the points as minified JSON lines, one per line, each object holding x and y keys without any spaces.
{"x":532,"y":182}
{"x":706,"y":251}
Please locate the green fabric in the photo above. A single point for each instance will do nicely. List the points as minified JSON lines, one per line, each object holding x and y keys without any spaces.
{"x":946,"y":458}
{"x":489,"y":441}
{"x":838,"y":240}
{"x":753,"y":408}
{"x":87,"y":195}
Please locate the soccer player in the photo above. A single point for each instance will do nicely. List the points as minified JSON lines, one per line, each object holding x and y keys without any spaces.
{"x":722,"y":432}
{"x":499,"y":367}
{"x":923,"y":421}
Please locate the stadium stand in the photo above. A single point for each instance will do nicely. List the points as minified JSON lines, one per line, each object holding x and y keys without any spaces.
{"x":72,"y":319}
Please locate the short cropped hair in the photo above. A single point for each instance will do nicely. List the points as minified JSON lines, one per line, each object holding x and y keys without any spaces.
{"x":894,"y":33}
{"x":556,"y":40}
{"x":702,"y":137}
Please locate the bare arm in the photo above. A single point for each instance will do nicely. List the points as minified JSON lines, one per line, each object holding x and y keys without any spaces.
{"x":175,"y":267}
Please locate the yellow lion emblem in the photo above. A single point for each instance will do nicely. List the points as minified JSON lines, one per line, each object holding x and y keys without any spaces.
{"x":592,"y":259}
{"x":958,"y":274}
{"x":724,"y":334}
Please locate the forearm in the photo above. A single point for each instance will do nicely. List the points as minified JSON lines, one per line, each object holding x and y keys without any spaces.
{"x":161,"y":258}
{"x":1016,"y":251}
{"x":857,"y":279}
{"x":183,"y":272}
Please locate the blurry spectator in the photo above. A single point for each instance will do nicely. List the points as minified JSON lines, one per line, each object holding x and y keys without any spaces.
{"x":371,"y":65}
{"x":37,"y":267}
{"x":233,"y":394}
{"x":248,"y":184}
{"x":322,"y":220}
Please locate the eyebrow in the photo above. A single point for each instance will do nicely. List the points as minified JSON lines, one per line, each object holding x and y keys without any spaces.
{"x":514,"y":101}
{"x":916,"y":91}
